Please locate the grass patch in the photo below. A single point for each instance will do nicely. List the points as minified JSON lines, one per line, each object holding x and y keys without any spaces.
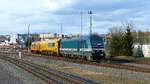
{"x":124,"y":57}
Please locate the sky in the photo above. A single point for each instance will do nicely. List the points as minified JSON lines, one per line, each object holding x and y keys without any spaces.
{"x":46,"y":16}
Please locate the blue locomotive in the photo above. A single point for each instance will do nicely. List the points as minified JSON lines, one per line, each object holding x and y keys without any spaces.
{"x":90,"y":47}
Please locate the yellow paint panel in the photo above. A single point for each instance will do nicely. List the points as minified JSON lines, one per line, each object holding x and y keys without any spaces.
{"x":46,"y":46}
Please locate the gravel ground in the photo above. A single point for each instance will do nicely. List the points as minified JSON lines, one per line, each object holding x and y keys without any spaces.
{"x":104,"y":75}
{"x":138,"y":65}
{"x":11,"y":74}
{"x":106,"y":70}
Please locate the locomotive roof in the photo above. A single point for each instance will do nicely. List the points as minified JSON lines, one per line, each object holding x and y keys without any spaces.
{"x":74,"y":38}
{"x":79,"y":37}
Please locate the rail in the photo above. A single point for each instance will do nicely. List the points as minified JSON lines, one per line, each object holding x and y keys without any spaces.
{"x":45,"y":73}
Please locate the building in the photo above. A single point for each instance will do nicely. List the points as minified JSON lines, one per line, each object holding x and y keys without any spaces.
{"x":13,"y":39}
{"x":22,"y":40}
{"x":4,"y":39}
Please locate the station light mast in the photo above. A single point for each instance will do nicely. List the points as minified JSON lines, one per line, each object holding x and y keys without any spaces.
{"x":90,"y":13}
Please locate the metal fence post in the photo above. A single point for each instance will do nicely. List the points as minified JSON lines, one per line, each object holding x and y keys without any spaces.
{"x":19,"y":55}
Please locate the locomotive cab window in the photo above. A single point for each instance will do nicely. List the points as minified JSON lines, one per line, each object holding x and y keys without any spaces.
{"x":51,"y":45}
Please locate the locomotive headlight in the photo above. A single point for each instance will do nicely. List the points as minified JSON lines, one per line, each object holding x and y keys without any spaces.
{"x":99,"y":44}
{"x":93,"y":51}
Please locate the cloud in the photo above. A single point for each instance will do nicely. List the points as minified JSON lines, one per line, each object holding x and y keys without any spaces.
{"x":54,"y":5}
{"x":47,"y":15}
{"x":16,"y":14}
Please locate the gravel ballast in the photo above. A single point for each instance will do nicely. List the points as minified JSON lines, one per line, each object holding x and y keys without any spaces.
{"x":104,"y":75}
{"x":11,"y":74}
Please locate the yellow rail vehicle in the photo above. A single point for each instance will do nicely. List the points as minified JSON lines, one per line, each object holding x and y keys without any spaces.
{"x":46,"y":47}
{"x":35,"y":47}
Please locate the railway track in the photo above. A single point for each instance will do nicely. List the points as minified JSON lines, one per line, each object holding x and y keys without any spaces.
{"x":49,"y":75}
{"x":112,"y":63}
{"x":105,"y":63}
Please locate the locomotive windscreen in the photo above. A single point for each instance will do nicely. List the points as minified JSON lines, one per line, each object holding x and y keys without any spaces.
{"x":97,"y":41}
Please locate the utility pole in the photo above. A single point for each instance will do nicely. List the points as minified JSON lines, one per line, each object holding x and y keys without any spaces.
{"x":28,"y":36}
{"x":90,"y":13}
{"x":61,"y":29}
{"x":81,"y":22}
